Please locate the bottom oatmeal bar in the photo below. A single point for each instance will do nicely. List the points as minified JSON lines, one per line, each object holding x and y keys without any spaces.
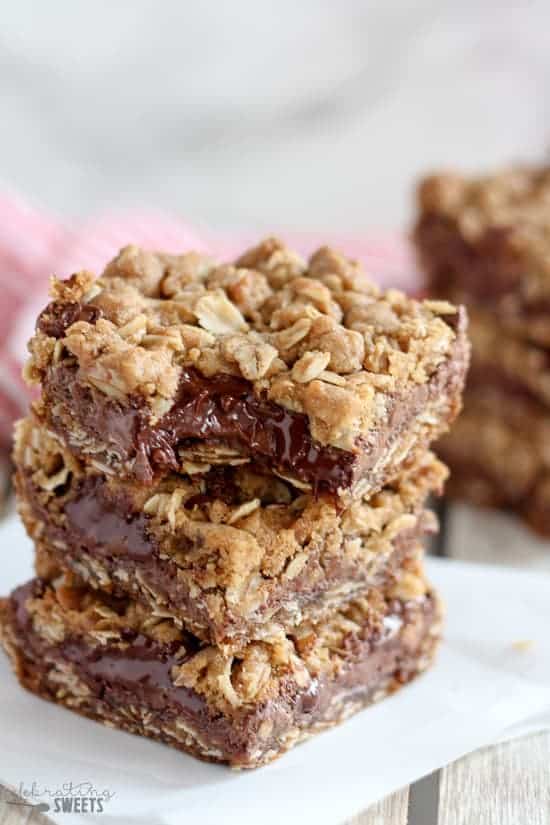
{"x":110,"y":660}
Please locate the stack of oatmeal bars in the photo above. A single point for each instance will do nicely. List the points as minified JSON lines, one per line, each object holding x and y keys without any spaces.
{"x":225,"y":478}
{"x":486,"y":241}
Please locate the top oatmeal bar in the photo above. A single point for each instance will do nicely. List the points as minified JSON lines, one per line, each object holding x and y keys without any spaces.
{"x":486,"y":241}
{"x":176,"y":363}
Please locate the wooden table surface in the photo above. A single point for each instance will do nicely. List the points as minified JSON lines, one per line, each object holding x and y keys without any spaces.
{"x":507,"y":784}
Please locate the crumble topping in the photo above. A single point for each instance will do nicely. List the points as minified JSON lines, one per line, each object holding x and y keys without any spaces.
{"x":316,"y":337}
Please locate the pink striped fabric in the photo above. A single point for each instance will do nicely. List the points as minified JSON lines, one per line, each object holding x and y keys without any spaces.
{"x":34,"y":245}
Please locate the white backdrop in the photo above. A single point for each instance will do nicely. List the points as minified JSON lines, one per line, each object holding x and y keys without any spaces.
{"x":295,"y":113}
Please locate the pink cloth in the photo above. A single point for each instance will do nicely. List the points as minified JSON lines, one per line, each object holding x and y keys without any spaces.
{"x":34,"y":245}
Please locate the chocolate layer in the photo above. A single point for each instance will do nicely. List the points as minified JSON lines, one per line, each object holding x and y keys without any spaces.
{"x":224,"y":411}
{"x":101,"y":536}
{"x":132,"y":688}
{"x":143,"y":668}
{"x":487,"y":270}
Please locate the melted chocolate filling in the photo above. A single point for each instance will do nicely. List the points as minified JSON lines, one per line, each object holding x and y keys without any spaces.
{"x":20,"y":596}
{"x":100,"y":521}
{"x":225,"y":408}
{"x":143,"y":668}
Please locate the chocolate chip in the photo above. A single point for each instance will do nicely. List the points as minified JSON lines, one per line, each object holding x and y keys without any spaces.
{"x":58,"y":316}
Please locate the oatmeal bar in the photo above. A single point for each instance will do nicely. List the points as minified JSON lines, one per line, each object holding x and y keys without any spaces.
{"x":112,"y":661}
{"x":179,"y":364}
{"x":233,"y":553}
{"x":499,"y":451}
{"x":486,"y":241}
{"x":516,"y":366}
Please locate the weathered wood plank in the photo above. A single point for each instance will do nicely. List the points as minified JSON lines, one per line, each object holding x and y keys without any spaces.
{"x":424,"y":800}
{"x":390,"y":811}
{"x":506,"y":784}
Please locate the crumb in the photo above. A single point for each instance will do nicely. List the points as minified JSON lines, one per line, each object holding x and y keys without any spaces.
{"x":523,"y":645}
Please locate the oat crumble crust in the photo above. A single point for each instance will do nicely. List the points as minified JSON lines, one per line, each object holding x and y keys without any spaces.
{"x":250,"y":676}
{"x":314,"y":337}
{"x":517,"y":197}
{"x":240,"y":565}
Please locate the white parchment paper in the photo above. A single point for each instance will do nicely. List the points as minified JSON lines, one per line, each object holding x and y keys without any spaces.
{"x":484,"y":687}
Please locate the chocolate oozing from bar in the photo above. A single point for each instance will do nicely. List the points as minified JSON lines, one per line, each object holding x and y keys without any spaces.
{"x":140,"y":673}
{"x":143,"y":668}
{"x":220,"y":409}
{"x":224,"y":409}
